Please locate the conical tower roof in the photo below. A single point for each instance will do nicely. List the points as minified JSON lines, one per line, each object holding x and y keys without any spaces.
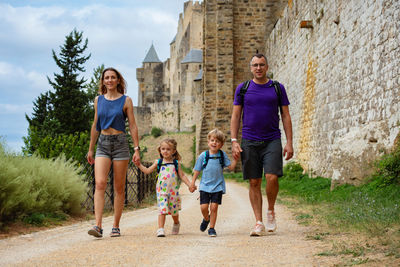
{"x":151,"y":56}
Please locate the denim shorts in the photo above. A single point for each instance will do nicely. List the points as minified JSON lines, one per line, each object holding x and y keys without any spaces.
{"x":114,"y":147}
{"x":259,"y":156}
{"x":206,"y":198}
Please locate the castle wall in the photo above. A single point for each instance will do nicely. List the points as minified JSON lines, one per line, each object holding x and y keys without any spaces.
{"x":342,"y":78}
{"x":233,"y":31}
{"x":142,"y":118}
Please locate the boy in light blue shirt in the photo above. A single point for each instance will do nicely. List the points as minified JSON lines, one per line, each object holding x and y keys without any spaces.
{"x":212,"y":185}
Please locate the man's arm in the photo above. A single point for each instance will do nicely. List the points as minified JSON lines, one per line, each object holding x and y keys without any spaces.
{"x":287,"y":126}
{"x":235,"y":123}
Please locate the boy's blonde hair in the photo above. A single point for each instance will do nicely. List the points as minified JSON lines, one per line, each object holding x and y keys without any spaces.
{"x":217,"y":134}
{"x":171,"y":142}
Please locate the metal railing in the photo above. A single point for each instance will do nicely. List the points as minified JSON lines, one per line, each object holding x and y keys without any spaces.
{"x":138,"y":186}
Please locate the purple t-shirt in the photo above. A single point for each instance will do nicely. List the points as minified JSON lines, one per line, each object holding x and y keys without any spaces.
{"x":260,"y":111}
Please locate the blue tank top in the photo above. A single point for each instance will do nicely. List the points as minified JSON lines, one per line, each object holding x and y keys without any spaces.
{"x":110,"y":113}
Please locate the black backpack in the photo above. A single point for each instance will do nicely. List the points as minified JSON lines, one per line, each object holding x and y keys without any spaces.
{"x":159,"y":164}
{"x":276,"y":85}
{"x":220,"y":157}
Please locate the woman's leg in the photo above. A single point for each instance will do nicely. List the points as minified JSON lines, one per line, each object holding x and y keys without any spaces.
{"x":119,"y":167}
{"x":101,"y":169}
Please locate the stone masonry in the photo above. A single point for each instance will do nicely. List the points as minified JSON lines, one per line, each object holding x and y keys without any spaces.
{"x":343,"y":81}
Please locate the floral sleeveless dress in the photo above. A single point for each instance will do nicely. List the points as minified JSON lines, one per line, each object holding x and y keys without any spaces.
{"x":168,"y":199}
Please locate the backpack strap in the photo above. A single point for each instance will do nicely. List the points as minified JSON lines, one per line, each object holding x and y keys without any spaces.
{"x":221,"y":158}
{"x":243,"y":90}
{"x":206,"y":158}
{"x":159,"y":163}
{"x":278,"y":92}
{"x":176,"y":164}
{"x":276,"y":85}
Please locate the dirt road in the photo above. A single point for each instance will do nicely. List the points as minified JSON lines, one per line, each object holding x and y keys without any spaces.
{"x":138,"y":245}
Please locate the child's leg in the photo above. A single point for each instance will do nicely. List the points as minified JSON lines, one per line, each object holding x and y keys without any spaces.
{"x":176,"y":219}
{"x":205,"y":211}
{"x":161,"y":220}
{"x":213,"y":214}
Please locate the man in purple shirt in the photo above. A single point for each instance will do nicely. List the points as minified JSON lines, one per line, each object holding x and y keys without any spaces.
{"x":261,"y":147}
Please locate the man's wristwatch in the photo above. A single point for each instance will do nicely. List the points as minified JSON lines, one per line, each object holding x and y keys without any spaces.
{"x":136,"y":148}
{"x":233,"y":140}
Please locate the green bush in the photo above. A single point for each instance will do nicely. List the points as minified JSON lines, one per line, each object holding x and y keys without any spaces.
{"x":388,"y":169}
{"x":73,"y":146}
{"x":156,"y":132}
{"x":31,"y":185}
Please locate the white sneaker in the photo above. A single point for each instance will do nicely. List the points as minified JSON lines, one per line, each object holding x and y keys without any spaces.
{"x":271,"y":222}
{"x":175,"y":228}
{"x":259,"y":229}
{"x":160,"y":232}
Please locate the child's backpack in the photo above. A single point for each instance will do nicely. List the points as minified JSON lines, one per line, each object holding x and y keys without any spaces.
{"x":276,"y":85}
{"x":159,"y":164}
{"x":220,"y":157}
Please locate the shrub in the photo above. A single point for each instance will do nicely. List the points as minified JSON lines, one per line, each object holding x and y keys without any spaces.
{"x":73,"y":146}
{"x":156,"y":132}
{"x":31,"y":185}
{"x":388,"y":169}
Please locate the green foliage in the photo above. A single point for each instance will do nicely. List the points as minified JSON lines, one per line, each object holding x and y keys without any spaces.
{"x":70,"y":103}
{"x":92,"y":88}
{"x":66,"y":110}
{"x":156,"y":132}
{"x":365,"y":207}
{"x":30,"y":185}
{"x":388,"y":169}
{"x":73,"y":146}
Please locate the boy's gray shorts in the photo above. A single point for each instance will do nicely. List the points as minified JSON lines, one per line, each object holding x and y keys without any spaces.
{"x":114,"y":147}
{"x":261,"y":155}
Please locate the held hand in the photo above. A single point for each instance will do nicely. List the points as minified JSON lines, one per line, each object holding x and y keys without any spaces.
{"x":89,"y":157}
{"x":288,"y":151}
{"x":136,"y":158}
{"x":137,"y":163}
{"x":236,"y":149}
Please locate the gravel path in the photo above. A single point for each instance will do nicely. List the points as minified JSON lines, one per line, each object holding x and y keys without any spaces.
{"x":138,"y":245}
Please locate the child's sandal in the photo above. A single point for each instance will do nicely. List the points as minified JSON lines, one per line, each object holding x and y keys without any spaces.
{"x":115,"y":232}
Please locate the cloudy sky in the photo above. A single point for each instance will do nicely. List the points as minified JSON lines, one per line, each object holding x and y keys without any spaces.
{"x":120,"y":32}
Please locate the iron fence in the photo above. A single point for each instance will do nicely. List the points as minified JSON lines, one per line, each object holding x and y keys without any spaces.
{"x":137,"y":187}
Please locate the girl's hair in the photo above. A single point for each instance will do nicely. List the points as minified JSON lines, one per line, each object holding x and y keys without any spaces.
{"x":171,"y":142}
{"x":121,"y":87}
{"x":217,"y":134}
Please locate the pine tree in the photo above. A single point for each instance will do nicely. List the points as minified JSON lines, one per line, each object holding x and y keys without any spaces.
{"x":92,"y":88}
{"x":69,"y":100}
{"x":62,"y":114}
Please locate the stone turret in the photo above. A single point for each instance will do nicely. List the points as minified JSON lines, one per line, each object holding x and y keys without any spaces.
{"x":150,"y":79}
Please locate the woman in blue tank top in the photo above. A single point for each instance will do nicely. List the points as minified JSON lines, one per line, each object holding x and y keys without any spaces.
{"x":111,"y":108}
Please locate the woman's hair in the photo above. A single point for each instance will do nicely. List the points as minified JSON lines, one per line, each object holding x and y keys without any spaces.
{"x":171,"y":142}
{"x":121,"y":87}
{"x":217,"y":134}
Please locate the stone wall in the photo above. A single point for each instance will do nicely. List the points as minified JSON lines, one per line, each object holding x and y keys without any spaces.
{"x":142,"y":118}
{"x":233,"y":32}
{"x":342,"y":77}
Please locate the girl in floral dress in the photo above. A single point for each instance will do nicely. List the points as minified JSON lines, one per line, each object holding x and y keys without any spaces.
{"x":169,"y":171}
